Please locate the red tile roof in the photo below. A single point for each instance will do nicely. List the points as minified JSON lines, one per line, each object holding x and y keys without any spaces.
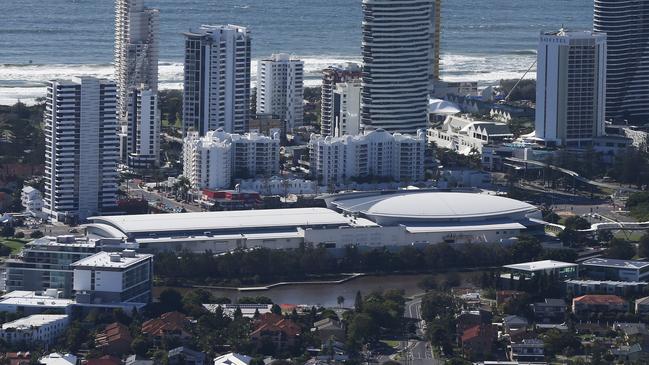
{"x":104,"y":360}
{"x":599,"y":299}
{"x":167,"y":323}
{"x":114,"y":332}
{"x":275,"y":323}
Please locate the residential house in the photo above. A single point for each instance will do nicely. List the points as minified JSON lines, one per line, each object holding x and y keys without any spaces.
{"x":527,"y":351}
{"x":171,"y":324}
{"x":468,"y":319}
{"x":505,"y":296}
{"x":185,"y":356}
{"x":232,"y":359}
{"x":328,"y":329}
{"x":513,"y":324}
{"x":587,"y":304}
{"x":478,"y":341}
{"x":282,"y":332}
{"x":550,"y":311}
{"x":631,"y":331}
{"x":115,"y":339}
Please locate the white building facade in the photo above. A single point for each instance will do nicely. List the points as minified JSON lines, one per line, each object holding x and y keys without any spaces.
{"x":32,"y":200}
{"x":373,"y":155}
{"x":280,"y":89}
{"x":136,"y":49}
{"x":347,"y":108}
{"x":398,"y":50}
{"x":331,"y":76}
{"x":41,"y":329}
{"x":212,"y":161}
{"x":467,"y":136}
{"x":143,"y":128}
{"x":81,"y":148}
{"x":216,"y":90}
{"x":571,"y":87}
{"x":116,"y":277}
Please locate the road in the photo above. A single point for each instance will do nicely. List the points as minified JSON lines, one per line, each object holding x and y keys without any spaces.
{"x":137,"y":192}
{"x":416,"y":352}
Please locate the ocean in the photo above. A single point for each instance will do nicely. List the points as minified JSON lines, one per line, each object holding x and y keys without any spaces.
{"x":482,"y":40}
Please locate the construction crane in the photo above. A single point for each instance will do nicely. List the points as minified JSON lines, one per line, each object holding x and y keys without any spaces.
{"x":506,"y":99}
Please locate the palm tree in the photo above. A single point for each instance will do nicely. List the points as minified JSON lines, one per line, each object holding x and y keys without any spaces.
{"x":340,"y":300}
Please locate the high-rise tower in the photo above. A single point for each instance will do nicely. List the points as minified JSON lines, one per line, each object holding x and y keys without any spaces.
{"x":626,"y":24}
{"x":570,"y":89}
{"x":398,"y":53}
{"x":217,"y":79}
{"x":81,"y":148}
{"x":136,"y":50}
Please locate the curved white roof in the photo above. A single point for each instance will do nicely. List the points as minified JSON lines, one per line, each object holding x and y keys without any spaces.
{"x":436,"y":206}
{"x":439,"y":106}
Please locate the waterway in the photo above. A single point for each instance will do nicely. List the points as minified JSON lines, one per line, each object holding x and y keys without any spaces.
{"x":326,"y":294}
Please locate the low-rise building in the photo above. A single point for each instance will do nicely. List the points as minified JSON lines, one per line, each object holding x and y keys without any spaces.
{"x":105,"y":277}
{"x":104,"y":360}
{"x":375,"y":154}
{"x":514,"y":323}
{"x":115,"y":339}
{"x":550,"y":311}
{"x":231,"y":200}
{"x":58,"y":359}
{"x":35,"y":329}
{"x":467,"y":136}
{"x":183,"y":355}
{"x":32,"y":200}
{"x":526,"y":270}
{"x":613,"y":269}
{"x":29,"y":302}
{"x":170,"y":324}
{"x":17,"y":358}
{"x":279,"y":186}
{"x":247,"y":310}
{"x":138,"y":360}
{"x":594,"y":303}
{"x":527,"y":351}
{"x":280,"y":331}
{"x":630,"y":354}
{"x":621,"y":288}
{"x":478,"y":341}
{"x":232,"y":359}
{"x":328,"y":329}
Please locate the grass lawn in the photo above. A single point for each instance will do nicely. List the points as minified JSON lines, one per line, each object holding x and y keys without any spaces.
{"x":15,"y":244}
{"x":392,"y":343}
{"x":633,"y":236}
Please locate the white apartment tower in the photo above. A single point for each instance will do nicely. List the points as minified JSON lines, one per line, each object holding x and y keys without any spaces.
{"x":213,"y":160}
{"x":81,"y":148}
{"x":280,"y":89}
{"x":375,"y":155}
{"x":331,"y":76}
{"x":571,"y":87}
{"x":143,"y":128}
{"x":347,"y":108}
{"x":136,"y":50}
{"x":398,"y":47}
{"x":217,"y":79}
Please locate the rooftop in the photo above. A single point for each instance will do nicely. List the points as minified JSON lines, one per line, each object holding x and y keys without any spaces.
{"x":208,"y":221}
{"x":36,"y":320}
{"x":434,"y":205}
{"x":540,"y":265}
{"x":622,"y":264}
{"x":599,"y":299}
{"x":31,"y":299}
{"x":605,"y":282}
{"x":112,"y":260}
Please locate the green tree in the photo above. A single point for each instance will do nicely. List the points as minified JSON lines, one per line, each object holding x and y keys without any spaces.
{"x":643,"y":245}
{"x":362,"y":328}
{"x":170,"y":300}
{"x":620,"y":249}
{"x":276,"y":309}
{"x":340,"y":300}
{"x":358,"y":301}
{"x":526,"y":248}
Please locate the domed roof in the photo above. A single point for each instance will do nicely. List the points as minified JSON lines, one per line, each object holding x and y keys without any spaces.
{"x":435,"y":206}
{"x":443,"y":205}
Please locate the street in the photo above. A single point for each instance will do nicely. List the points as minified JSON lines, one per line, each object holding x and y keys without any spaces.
{"x":417,"y":352}
{"x":136,"y":191}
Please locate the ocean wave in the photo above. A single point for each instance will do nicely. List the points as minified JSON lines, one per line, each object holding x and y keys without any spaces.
{"x":26,"y":82}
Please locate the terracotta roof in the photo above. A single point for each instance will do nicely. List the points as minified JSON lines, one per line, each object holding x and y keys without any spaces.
{"x":471,"y":333}
{"x":168,"y":322}
{"x":112,"y":333}
{"x":275,"y":323}
{"x":599,"y":299}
